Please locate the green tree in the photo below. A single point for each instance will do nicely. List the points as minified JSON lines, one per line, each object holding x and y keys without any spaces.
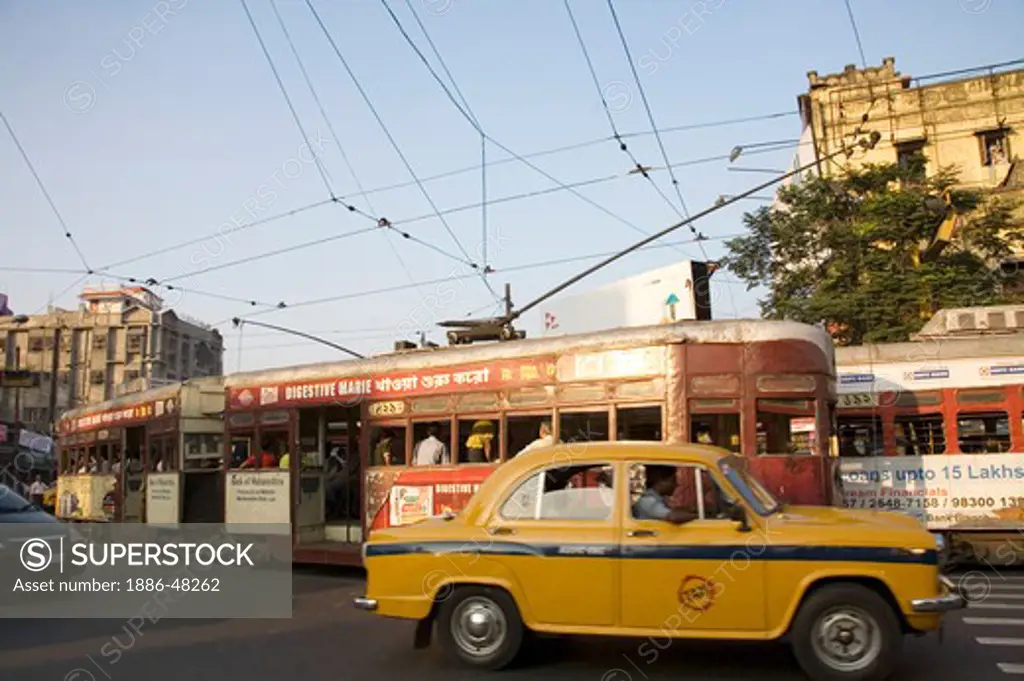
{"x":846,"y":252}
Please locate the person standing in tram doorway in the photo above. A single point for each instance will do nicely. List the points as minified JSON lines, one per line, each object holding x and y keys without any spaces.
{"x":478,"y":444}
{"x":431,"y":451}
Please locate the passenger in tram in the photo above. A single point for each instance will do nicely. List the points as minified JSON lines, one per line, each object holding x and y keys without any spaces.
{"x":431,"y":451}
{"x":267,"y":460}
{"x":544,"y":438}
{"x":478,"y":444}
{"x":386,"y":453}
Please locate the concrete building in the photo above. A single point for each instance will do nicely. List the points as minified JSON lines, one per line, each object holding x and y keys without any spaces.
{"x":118,"y":341}
{"x":971,"y":119}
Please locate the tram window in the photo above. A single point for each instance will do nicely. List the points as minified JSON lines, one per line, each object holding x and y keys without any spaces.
{"x":860,"y":436}
{"x":785,"y":426}
{"x":920,"y":434}
{"x":387,"y":446}
{"x":431,"y":443}
{"x":987,"y":433}
{"x":202,"y":450}
{"x":523,"y":431}
{"x":240,"y":450}
{"x":583,"y":426}
{"x":639,"y":423}
{"x":479,"y":440}
{"x":309,"y":438}
{"x":275,"y":446}
{"x":720,"y":430}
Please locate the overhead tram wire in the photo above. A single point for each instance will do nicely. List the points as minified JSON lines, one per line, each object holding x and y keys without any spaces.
{"x":288,"y":100}
{"x":49,"y":199}
{"x":616,"y":136}
{"x":334,"y":135}
{"x":398,"y":151}
{"x":856,"y":34}
{"x":452,"y":173}
{"x":654,"y":128}
{"x":495,"y":142}
{"x":428,"y":216}
{"x":514,"y":268}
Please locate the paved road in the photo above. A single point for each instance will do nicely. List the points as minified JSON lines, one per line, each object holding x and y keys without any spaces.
{"x":328,"y":640}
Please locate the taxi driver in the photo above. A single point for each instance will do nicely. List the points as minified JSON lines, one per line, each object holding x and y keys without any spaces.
{"x":661,"y":482}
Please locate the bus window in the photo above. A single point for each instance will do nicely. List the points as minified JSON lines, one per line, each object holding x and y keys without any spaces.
{"x":721,"y":430}
{"x":523,"y":431}
{"x":589,"y":426}
{"x":919,"y":434}
{"x":860,"y":436}
{"x":639,"y":423}
{"x":478,"y":440}
{"x":431,"y":443}
{"x":387,"y":446}
{"x":987,"y":433}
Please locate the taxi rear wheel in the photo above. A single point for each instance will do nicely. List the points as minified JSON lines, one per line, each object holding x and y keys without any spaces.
{"x":480,"y":626}
{"x":846,"y":632}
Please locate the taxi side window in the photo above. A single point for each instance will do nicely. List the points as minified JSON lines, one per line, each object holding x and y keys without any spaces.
{"x":693,"y":489}
{"x":563,"y":493}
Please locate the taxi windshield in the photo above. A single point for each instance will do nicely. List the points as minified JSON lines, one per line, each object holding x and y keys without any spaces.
{"x":750,"y":487}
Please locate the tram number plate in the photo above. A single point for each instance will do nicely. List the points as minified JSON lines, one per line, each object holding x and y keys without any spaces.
{"x":393,"y":408}
{"x":855,"y":400}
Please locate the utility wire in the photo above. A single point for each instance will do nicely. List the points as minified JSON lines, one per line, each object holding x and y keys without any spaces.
{"x":616,"y":136}
{"x":49,"y":199}
{"x":856,"y":34}
{"x":504,"y":270}
{"x":397,"y":147}
{"x":288,"y":100}
{"x":498,"y":144}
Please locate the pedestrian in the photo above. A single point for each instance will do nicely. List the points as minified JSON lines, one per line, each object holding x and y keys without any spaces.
{"x":36,"y":491}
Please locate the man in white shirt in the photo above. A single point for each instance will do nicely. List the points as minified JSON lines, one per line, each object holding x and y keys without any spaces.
{"x":36,"y":491}
{"x":431,"y":451}
{"x":545,"y":438}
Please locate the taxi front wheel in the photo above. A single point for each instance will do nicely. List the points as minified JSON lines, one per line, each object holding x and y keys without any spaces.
{"x":846,"y":632}
{"x":480,"y":626}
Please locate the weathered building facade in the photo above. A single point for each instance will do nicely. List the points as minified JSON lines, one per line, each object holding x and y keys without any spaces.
{"x":117,"y":342}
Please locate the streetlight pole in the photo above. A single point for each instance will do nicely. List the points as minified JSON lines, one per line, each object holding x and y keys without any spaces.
{"x":238,"y":322}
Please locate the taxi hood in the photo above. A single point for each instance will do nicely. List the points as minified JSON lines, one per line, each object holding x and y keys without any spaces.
{"x":830,"y":515}
{"x":829,"y":525}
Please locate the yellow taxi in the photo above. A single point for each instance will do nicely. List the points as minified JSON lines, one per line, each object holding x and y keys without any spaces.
{"x":645,"y":539}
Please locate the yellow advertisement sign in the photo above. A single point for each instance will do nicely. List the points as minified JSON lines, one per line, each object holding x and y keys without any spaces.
{"x":86,"y":497}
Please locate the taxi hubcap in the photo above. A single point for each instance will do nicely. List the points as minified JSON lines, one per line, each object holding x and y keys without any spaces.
{"x":478,"y":626}
{"x":847,"y":639}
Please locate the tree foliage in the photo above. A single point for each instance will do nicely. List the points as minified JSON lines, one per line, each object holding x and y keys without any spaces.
{"x":846,"y":252}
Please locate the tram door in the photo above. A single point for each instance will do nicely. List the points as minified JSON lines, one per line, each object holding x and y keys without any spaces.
{"x":131,"y":475}
{"x":328,"y":506}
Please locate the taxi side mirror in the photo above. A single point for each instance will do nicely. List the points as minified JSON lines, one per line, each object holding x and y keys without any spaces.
{"x":738,"y":513}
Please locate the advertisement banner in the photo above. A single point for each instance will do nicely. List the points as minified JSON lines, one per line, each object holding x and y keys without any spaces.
{"x":86,"y":497}
{"x":258,"y":497}
{"x":411,"y":504}
{"x":163,"y":498}
{"x":955,"y":492}
{"x":450,"y":489}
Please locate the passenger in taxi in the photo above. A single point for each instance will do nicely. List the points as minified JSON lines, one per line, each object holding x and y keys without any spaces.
{"x":661,"y":482}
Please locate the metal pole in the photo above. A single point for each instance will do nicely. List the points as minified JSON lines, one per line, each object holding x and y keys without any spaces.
{"x":54,"y":366}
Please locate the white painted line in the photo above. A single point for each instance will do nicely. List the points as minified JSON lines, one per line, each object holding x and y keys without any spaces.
{"x":996,"y":606}
{"x":995,"y":621}
{"x":996,"y":587}
{"x":999,"y":596}
{"x":995,"y":641}
{"x":1008,"y":668}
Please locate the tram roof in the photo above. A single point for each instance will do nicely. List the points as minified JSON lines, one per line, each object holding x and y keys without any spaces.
{"x":721,"y":331}
{"x":932,"y":349}
{"x":131,"y":399}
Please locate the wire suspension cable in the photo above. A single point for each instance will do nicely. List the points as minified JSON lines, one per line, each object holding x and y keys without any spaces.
{"x":395,"y":145}
{"x":856,"y":34}
{"x":49,"y":199}
{"x":288,"y":100}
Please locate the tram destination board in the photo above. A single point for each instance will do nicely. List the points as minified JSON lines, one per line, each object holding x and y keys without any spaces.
{"x":194,"y":571}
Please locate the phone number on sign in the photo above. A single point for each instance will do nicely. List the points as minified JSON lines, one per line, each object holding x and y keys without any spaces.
{"x":932,"y":502}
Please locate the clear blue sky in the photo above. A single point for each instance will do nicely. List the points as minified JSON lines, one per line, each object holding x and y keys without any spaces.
{"x":149,"y":131}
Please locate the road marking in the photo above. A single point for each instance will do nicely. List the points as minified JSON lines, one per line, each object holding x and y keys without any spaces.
{"x":995,"y":641}
{"x":996,"y":606}
{"x":995,"y":621}
{"x":996,"y":597}
{"x":1008,"y":668}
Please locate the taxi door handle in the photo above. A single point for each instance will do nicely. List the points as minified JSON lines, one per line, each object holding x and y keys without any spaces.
{"x":501,"y":530}
{"x":641,"y":533}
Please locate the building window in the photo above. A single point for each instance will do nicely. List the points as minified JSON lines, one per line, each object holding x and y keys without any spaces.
{"x":910,"y":157}
{"x":995,"y":147}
